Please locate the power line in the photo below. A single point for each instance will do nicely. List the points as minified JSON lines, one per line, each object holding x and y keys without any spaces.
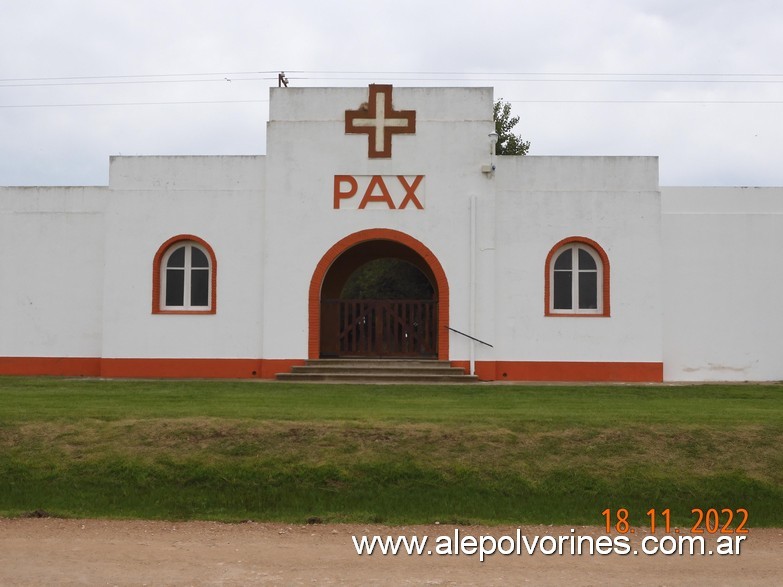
{"x":645,"y":101}
{"x":483,"y":77}
{"x":179,"y":103}
{"x":118,"y":82}
{"x":197,"y":102}
{"x":567,"y":80}
{"x":153,"y":75}
{"x":543,"y":73}
{"x":577,"y":77}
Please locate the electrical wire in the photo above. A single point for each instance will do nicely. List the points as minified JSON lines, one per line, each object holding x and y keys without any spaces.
{"x":577,"y":77}
{"x":483,"y":77}
{"x":178,"y":103}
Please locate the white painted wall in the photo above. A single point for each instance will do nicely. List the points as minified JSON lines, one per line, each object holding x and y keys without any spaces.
{"x":611,"y":200}
{"x":51,"y":271}
{"x":308,"y":146}
{"x":695,"y":272}
{"x":723,"y":283}
{"x":151,"y":199}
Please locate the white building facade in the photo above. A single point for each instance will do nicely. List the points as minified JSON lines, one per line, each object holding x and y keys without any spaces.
{"x":571,"y":268}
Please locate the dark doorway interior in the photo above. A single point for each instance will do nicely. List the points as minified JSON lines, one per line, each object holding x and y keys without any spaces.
{"x":390,"y":279}
{"x":379,"y":300}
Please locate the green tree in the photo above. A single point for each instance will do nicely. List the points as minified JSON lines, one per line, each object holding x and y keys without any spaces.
{"x":387,"y":279}
{"x":508,"y":143}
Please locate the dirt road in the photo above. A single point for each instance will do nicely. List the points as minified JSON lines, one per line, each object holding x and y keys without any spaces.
{"x":95,"y":552}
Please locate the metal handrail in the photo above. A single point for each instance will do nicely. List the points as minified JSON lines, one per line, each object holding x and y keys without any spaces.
{"x":470,"y":337}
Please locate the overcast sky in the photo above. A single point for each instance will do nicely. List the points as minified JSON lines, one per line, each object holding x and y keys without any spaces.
{"x":697,"y":82}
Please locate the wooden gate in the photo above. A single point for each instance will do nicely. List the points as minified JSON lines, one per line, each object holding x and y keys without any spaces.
{"x":381,"y":328}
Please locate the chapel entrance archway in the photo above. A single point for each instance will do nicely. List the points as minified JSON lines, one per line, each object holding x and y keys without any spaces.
{"x":346,"y":321}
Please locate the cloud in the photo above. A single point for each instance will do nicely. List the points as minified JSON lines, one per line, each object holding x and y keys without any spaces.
{"x":699,"y":143}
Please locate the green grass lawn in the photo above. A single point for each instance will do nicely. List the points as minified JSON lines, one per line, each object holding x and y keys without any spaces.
{"x":394,"y":454}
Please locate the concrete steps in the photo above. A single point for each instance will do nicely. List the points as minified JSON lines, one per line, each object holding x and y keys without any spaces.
{"x":378,"y":371}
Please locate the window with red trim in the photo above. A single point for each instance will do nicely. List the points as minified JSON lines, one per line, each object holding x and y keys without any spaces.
{"x":184,"y":277}
{"x":577,"y":279}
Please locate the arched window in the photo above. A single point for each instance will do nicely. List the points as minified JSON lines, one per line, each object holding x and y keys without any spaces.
{"x":184,"y":277}
{"x":577,"y":279}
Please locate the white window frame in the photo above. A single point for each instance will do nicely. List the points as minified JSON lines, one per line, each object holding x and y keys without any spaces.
{"x":189,"y":246}
{"x":574,"y":247}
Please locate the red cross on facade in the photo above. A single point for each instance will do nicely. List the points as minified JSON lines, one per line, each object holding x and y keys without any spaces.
{"x":380,"y":121}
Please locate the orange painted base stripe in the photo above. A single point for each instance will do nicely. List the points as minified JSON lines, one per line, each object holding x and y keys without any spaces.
{"x":181,"y":368}
{"x":628,"y":372}
{"x":62,"y":366}
{"x":268,"y":368}
{"x":148,"y":368}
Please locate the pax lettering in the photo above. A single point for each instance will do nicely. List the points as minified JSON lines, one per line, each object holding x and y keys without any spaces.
{"x":386,"y":192}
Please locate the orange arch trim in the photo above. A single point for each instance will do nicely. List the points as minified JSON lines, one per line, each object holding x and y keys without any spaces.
{"x":156,"y":274}
{"x":605,"y":284}
{"x":321,"y":269}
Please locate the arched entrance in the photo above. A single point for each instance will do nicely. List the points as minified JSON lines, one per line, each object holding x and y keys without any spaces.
{"x":342,"y":326}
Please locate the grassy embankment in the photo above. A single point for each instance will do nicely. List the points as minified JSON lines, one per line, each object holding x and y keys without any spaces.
{"x":392,"y":454}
